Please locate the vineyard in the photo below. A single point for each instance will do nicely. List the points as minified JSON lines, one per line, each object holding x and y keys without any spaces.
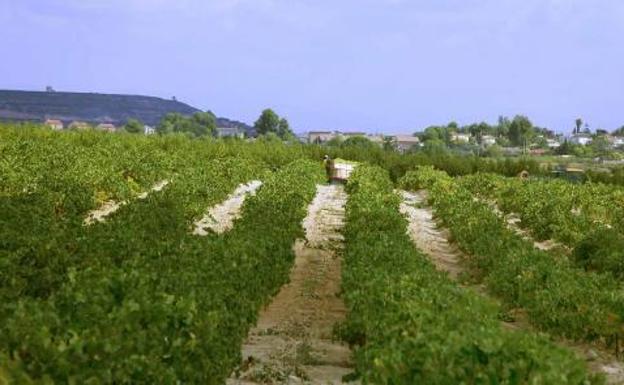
{"x":168,"y":260}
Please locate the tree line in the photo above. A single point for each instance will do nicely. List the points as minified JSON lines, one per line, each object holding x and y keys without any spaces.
{"x":202,"y":124}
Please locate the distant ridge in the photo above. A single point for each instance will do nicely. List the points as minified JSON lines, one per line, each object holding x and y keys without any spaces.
{"x":94,"y":108}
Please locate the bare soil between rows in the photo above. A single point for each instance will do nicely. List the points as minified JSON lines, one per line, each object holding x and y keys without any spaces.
{"x":293,"y":341}
{"x":434,"y":242}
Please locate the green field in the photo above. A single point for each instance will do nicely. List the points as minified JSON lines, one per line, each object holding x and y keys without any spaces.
{"x":136,"y":298}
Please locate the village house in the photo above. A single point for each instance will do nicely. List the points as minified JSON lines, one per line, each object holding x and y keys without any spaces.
{"x":54,"y":124}
{"x":405,"y":143}
{"x":615,"y":141}
{"x":148,"y":130}
{"x":319,"y":137}
{"x":582,"y":139}
{"x":229,"y":132}
{"x":553,"y":143}
{"x":458,"y":137}
{"x":78,"y":125}
{"x":106,"y":127}
{"x":488,"y":140}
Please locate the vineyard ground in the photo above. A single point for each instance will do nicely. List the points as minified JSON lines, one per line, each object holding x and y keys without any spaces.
{"x":433,"y":240}
{"x":110,"y":207}
{"x":220,"y":218}
{"x":293,"y":339}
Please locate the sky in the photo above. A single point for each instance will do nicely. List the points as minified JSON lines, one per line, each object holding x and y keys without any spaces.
{"x":393,"y":66}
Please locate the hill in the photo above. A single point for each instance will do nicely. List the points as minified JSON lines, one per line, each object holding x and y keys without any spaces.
{"x":93,"y":108}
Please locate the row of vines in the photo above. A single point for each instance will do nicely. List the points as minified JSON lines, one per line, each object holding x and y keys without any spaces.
{"x":411,"y":324}
{"x":138,"y":298}
{"x":558,"y":296}
{"x":586,"y":218}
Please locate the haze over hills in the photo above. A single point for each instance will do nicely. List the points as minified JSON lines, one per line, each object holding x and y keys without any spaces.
{"x":94,"y":108}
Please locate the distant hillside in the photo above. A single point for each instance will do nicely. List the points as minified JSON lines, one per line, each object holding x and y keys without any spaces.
{"x":93,"y":108}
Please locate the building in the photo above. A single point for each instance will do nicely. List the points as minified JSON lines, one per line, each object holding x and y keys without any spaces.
{"x":553,"y":143}
{"x":54,"y":124}
{"x":319,"y":137}
{"x":78,"y":125}
{"x":229,"y":132}
{"x":488,"y":140}
{"x":459,"y":137}
{"x":582,"y":139}
{"x":148,"y":130}
{"x":106,"y":127}
{"x":405,"y":143}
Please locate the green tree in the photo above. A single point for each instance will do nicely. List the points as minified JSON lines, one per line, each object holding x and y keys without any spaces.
{"x":169,"y":123}
{"x":502,"y":129}
{"x":134,"y":126}
{"x":283,"y":130}
{"x":578,"y":123}
{"x":359,"y":142}
{"x":521,"y":131}
{"x":268,"y":121}
{"x":600,"y":145}
{"x":619,"y":131}
{"x":200,"y":124}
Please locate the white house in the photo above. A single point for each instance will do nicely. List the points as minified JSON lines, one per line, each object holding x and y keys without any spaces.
{"x":320,"y":136}
{"x":616,"y":141}
{"x":79,"y":125}
{"x":582,"y":139}
{"x":405,"y":143}
{"x":229,"y":132}
{"x":488,"y":140}
{"x":106,"y":127}
{"x":54,"y":124}
{"x":459,"y":137}
{"x":553,"y":143}
{"x":148,"y":130}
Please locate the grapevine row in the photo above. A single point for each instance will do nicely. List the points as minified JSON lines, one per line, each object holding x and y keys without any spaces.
{"x":412,"y":324}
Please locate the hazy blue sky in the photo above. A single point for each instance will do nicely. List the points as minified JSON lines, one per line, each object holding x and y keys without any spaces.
{"x":377,"y":65}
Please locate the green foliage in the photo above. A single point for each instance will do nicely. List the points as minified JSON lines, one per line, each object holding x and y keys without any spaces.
{"x":358,"y":142}
{"x":553,"y":209}
{"x":133,"y":126}
{"x":146,"y":301}
{"x":412,"y":324}
{"x":197,"y":125}
{"x":602,"y":251}
{"x":270,"y":122}
{"x":521,"y":131}
{"x":557,"y":296}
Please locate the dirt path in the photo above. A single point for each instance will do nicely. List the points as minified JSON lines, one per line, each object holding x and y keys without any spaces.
{"x":109,"y":207}
{"x":220,"y":218}
{"x":426,"y":235}
{"x":434,"y":241}
{"x":292,"y":342}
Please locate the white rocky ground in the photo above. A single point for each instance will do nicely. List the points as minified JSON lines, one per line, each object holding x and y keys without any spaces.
{"x":109,"y":207}
{"x":221,"y":217}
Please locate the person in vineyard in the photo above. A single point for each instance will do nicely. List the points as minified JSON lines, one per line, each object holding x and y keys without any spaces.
{"x":329,"y":166}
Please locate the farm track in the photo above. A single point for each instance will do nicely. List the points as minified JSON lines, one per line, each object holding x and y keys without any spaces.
{"x":293,"y":340}
{"x":221,"y":217}
{"x":434,"y":242}
{"x":110,"y":207}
